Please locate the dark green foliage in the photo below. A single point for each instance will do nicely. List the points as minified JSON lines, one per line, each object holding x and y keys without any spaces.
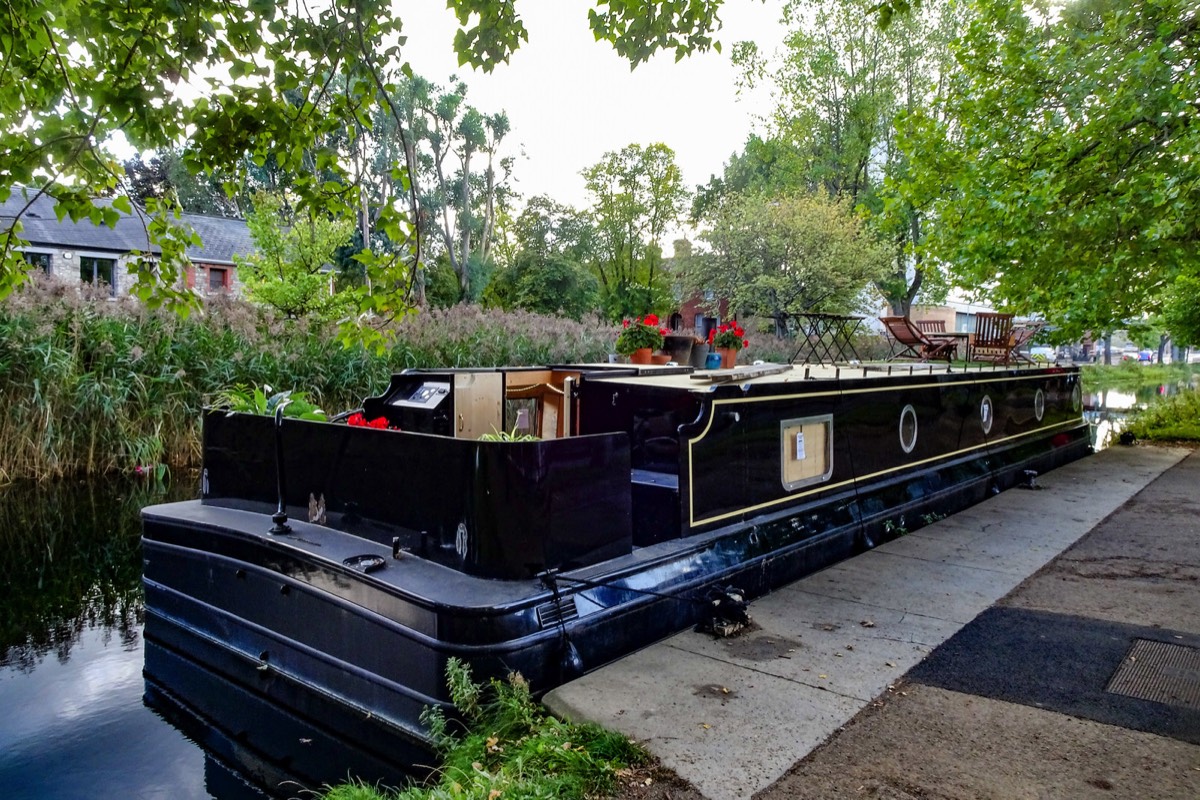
{"x":558,"y":286}
{"x":1181,"y":310}
{"x":1175,"y":418}
{"x":511,"y":747}
{"x":95,"y":386}
{"x":1062,"y":168}
{"x":71,"y":560}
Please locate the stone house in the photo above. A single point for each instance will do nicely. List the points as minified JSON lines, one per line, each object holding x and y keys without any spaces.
{"x":102,"y":255}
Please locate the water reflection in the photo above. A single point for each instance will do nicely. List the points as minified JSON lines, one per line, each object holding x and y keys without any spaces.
{"x":1107,"y":410}
{"x":71,"y":649}
{"x":93,"y":710}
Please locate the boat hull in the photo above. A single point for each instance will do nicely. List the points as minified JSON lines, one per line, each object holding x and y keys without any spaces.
{"x":296,"y":619}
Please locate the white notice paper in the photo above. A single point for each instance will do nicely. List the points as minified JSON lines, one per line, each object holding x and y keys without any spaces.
{"x":800,"y":446}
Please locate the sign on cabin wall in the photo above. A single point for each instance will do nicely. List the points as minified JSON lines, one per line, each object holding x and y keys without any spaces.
{"x":807,"y":450}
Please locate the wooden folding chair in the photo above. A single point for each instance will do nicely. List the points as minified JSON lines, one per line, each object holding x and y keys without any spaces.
{"x":931,"y":325}
{"x":993,"y":338}
{"x":915,"y":343}
{"x":1022,"y":334}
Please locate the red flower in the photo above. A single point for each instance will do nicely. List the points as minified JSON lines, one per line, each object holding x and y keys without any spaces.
{"x":728,"y":335}
{"x":650,"y":319}
{"x":625,"y":323}
{"x":663,"y":331}
{"x":359,"y":421}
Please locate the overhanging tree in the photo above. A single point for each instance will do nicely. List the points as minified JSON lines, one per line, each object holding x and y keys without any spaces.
{"x":1066,"y":174}
{"x":276,"y":80}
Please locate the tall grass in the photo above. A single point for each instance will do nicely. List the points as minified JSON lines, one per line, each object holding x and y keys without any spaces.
{"x":90,"y":385}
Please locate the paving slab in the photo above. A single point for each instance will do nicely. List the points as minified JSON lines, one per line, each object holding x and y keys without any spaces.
{"x":732,"y":716}
{"x":688,"y":709}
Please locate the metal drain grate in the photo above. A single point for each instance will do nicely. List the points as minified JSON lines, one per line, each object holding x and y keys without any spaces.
{"x":1159,"y":672}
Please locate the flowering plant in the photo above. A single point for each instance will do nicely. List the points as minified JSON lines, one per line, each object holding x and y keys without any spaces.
{"x":357,"y":420}
{"x":639,"y":333}
{"x":730,"y":335}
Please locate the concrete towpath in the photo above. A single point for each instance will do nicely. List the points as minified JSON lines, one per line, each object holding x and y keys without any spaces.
{"x":733,"y":716}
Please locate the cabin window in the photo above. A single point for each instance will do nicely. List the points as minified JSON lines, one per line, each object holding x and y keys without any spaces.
{"x":908,"y":428}
{"x":986,"y":415}
{"x":97,"y":271}
{"x":806,"y":446}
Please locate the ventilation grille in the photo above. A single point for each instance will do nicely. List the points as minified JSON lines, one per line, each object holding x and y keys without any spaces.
{"x":550,"y":614}
{"x":1161,"y":673}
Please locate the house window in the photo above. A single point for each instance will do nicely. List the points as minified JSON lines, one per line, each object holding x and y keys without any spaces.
{"x":39,"y":260}
{"x":97,"y":271}
{"x":218,"y":279}
{"x":703,"y":325}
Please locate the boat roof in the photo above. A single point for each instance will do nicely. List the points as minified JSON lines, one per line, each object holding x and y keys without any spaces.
{"x":773,"y":374}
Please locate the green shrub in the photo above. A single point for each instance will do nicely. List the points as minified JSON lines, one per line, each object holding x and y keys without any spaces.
{"x":1175,"y":418}
{"x":511,"y":747}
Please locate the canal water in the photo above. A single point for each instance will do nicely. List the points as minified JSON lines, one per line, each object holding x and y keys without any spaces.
{"x":79,"y":718}
{"x":74,"y":724}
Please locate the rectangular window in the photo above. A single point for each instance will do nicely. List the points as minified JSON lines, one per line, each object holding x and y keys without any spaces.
{"x":97,"y":271}
{"x":39,"y":260}
{"x":806,"y":446}
{"x":218,"y":279}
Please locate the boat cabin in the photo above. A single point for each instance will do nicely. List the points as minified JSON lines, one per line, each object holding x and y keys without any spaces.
{"x":505,"y":473}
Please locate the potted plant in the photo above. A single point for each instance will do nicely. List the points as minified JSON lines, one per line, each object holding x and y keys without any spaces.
{"x":640,"y":338}
{"x":727,"y":339}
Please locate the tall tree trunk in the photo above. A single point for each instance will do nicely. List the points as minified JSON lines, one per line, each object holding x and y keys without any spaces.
{"x":464,"y":222}
{"x":489,"y":210}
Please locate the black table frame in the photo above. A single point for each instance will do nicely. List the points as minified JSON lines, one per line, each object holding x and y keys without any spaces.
{"x":828,"y":337}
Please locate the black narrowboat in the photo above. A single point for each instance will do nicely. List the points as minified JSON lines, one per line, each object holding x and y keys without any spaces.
{"x":333,"y":569}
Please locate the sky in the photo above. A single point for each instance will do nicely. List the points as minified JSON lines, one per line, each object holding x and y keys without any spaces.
{"x":571,"y":99}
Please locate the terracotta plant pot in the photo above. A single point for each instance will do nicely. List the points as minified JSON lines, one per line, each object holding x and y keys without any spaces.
{"x":660,"y":358}
{"x":728,"y":357}
{"x":640,"y":356}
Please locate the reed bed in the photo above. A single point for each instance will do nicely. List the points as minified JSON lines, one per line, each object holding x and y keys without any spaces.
{"x":91,"y":385}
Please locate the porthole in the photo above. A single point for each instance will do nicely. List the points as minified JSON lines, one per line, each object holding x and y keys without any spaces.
{"x":985,"y":414}
{"x":908,"y":429}
{"x":1077,"y":398}
{"x":1039,"y":405}
{"x":460,"y":540}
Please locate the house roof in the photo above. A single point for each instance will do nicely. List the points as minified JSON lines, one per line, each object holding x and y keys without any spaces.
{"x":223,"y":237}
